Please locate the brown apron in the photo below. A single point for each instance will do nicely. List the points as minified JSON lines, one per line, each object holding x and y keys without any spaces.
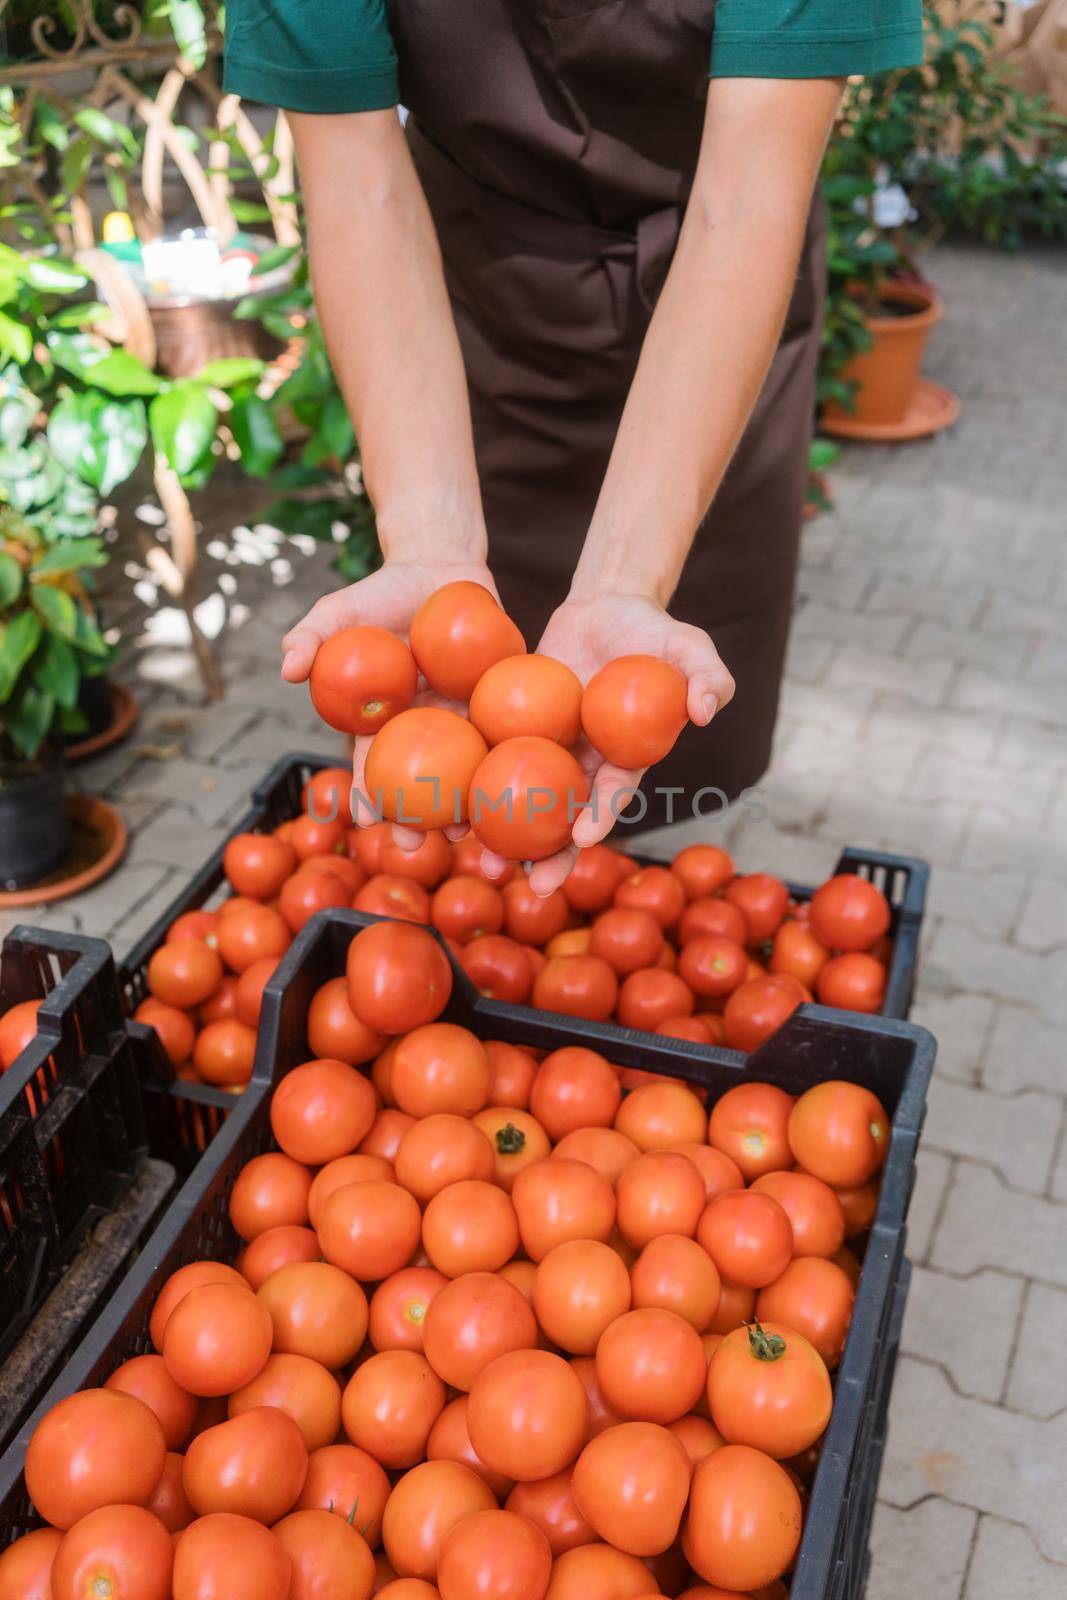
{"x":557,"y":141}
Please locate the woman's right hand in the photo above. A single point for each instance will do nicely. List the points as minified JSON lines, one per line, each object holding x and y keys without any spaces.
{"x":388,"y":598}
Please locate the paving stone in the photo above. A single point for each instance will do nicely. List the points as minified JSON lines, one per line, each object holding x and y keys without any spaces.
{"x":961,"y":1024}
{"x":932,"y":1539}
{"x":1024,"y":1052}
{"x":966,"y":1326}
{"x":991,"y":841}
{"x":835,"y":588}
{"x":933,"y":1173}
{"x":1025,"y":744}
{"x":202,"y":734}
{"x":1038,"y":1380}
{"x":1058,"y":1185}
{"x":983,"y":689}
{"x":1017,"y":1134}
{"x":844,"y":711}
{"x":176,"y":837}
{"x":984,"y":1223}
{"x":958,"y":606}
{"x":961,"y":958}
{"x":1006,"y":652}
{"x":1008,"y":613}
{"x":990,"y":900}
{"x":808,"y":657}
{"x":965,"y":734}
{"x":812,"y":750}
{"x":270,"y":737}
{"x":843,"y":623}
{"x":1005,"y":1561}
{"x":211,"y":792}
{"x":939,"y":775}
{"x":1043,"y":924}
{"x":858,"y":814}
{"x":927,"y":681}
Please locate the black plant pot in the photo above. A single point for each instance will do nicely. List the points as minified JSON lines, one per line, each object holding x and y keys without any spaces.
{"x":95,"y":704}
{"x":33,"y":820}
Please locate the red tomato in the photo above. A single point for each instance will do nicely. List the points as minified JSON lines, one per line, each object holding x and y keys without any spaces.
{"x":580,"y":1288}
{"x":200,"y":925}
{"x":466,"y":908}
{"x":257,"y":864}
{"x":369,"y":1229}
{"x":744,"y":1520}
{"x":713,"y":967}
{"x":95,"y":1448}
{"x":253,"y":1466}
{"x":527,"y":1415}
{"x":627,"y":939}
{"x":498,"y":968}
{"x":390,"y":895}
{"x":603,"y":1148}
{"x":225,"y":1052}
{"x":769,"y":1388}
{"x":300,"y":1387}
{"x":310,"y":836}
{"x":223,"y":1003}
{"x":169,"y":1501}
{"x":271,"y":1190}
{"x":361,"y":677}
{"x":440,"y":1067}
{"x":347,"y":1481}
{"x":306,"y":893}
{"x":350,"y":872}
{"x":854,"y":982}
{"x":321,"y":1110}
{"x":661,"y":1115}
{"x":593,"y":879}
{"x":749,"y":1124}
{"x":525,"y":797}
{"x":424,"y":1507}
{"x":651,"y":996}
{"x":317,"y":1311}
{"x":557,"y":1200}
{"x":571,"y":942}
{"x":702,"y":869}
{"x":574,"y":1088}
{"x":250,"y":934}
{"x":441,"y":1149}
{"x":368,"y":845}
{"x":577,"y":986}
{"x":146,"y":1377}
{"x":467,"y":856}
{"x":814,"y":1211}
{"x":384,"y":1138}
{"x":513,"y":1070}
{"x":334,"y":1030}
{"x":550,"y":1505}
{"x":420,"y":766}
{"x":655,"y":890}
{"x":797,"y":953}
{"x":398,"y":977}
{"x":178,"y":1286}
{"x":121,"y":1550}
{"x":233,"y":1556}
{"x":450,"y":1441}
{"x":390,"y":1405}
{"x":839,"y":1132}
{"x":176,"y":1032}
{"x":633,"y":710}
{"x":675,"y":1273}
{"x":494,"y":1553}
{"x":695,"y":1029}
{"x":748,"y":1237}
{"x":328,"y":794}
{"x":651,"y":1365}
{"x":523,"y":695}
{"x":184,"y":974}
{"x":599,"y":1572}
{"x":26,"y":1565}
{"x":848,"y":913}
{"x":458,"y":633}
{"x":217,"y":1339}
{"x":631,"y":1483}
{"x":328,"y":1557}
{"x":532,"y":918}
{"x":470,"y":1227}
{"x":275,"y":1249}
{"x":660,"y":1192}
{"x":762,"y":900}
{"x":516,"y":1138}
{"x":399,"y":1305}
{"x":758,"y":1008}
{"x":601,"y":1414}
{"x":816,"y":1298}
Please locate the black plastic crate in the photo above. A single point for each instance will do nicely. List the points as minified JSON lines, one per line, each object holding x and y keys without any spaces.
{"x":892,"y":1058}
{"x":278,"y":798}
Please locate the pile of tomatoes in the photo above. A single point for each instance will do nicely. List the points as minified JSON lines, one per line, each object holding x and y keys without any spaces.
{"x":495,"y":744}
{"x":692,"y":950}
{"x":500,"y":1328}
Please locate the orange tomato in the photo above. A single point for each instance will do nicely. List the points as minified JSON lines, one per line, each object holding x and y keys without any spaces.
{"x":26,"y":1565}
{"x":424,"y":1507}
{"x":816,"y":1298}
{"x":557,"y":1200}
{"x":574,"y":1088}
{"x":814,"y":1211}
{"x":327,"y":1555}
{"x":450,"y":1440}
{"x":527,"y":694}
{"x":758,"y":1008}
{"x":147,"y":1378}
{"x":300,"y":1387}
{"x":527,"y":1415}
{"x":421,"y":765}
{"x":251,"y":934}
{"x":222,"y":1554}
{"x":702,"y":869}
{"x":848,"y":913}
{"x":839,"y":1132}
{"x":749,"y":1123}
{"x":605,"y":1149}
{"x":677,"y":1274}
{"x":316,"y":1310}
{"x":97,"y":1448}
{"x":627,"y":938}
{"x":516,"y":1138}
{"x":769,"y":1388}
{"x":176,"y":1032}
{"x":118,"y":1548}
{"x":360,"y":677}
{"x":661,"y":1115}
{"x":472,"y":1321}
{"x":744,"y":1520}
{"x":270,"y":1190}
{"x":498,"y":968}
{"x":495,"y":1553}
{"x":470,"y":1227}
{"x":183,"y":974}
{"x":719,"y":1171}
{"x":762,"y":900}
{"x":631,"y":1484}
{"x":852,"y":982}
{"x":398,"y":977}
{"x":458,"y":633}
{"x":440,"y":1067}
{"x":391,"y":895}
{"x":328,"y":794}
{"x":254,"y":1465}
{"x":660,"y":1192}
{"x":389,"y":1406}
{"x":369,"y":1229}
{"x":577,"y":986}
{"x":580,"y":1288}
{"x":345,"y":1480}
{"x":524,"y":798}
{"x":178,"y":1286}
{"x":748,"y":1236}
{"x":439,"y":1149}
{"x":633,"y":710}
{"x":599,"y":1572}
{"x":651,"y":1365}
{"x":217,"y":1339}
{"x":276,"y":1248}
{"x":593,"y":879}
{"x":257,"y":864}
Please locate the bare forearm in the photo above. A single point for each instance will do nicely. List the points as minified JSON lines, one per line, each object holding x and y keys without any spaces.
{"x":380,"y":293}
{"x":711,"y":338}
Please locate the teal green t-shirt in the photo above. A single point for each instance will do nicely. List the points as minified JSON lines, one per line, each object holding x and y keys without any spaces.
{"x":338,"y":55}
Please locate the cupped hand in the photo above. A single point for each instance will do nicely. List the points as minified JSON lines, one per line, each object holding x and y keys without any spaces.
{"x":388,"y":598}
{"x":586,"y":635}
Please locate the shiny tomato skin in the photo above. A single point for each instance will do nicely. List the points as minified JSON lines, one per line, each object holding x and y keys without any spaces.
{"x":532,"y":918}
{"x":848,"y":913}
{"x":26,"y":1565}
{"x":257,"y":864}
{"x":271,"y":1190}
{"x":458,"y":633}
{"x":661,"y":1115}
{"x":593,"y":879}
{"x":852,"y":982}
{"x":466,"y":907}
{"x":360,"y":677}
{"x":599,"y":1572}
{"x":426,"y":1504}
{"x":633,"y":710}
{"x":653,"y":889}
{"x":276,"y":1248}
{"x":470,"y":1227}
{"x":769,"y":1388}
{"x":577,"y":986}
{"x":222,"y":1554}
{"x":527,"y":694}
{"x":322,"y":1110}
{"x":651,"y":1366}
{"x":391,"y":895}
{"x":627,"y":938}
{"x":345,"y":1480}
{"x":389,"y":1406}
{"x":815,"y":1213}
{"x":495,"y":1553}
{"x":840,"y":1132}
{"x":498,"y":968}
{"x":712,"y":917}
{"x":557,"y":1200}
{"x":18,"y":1027}
{"x":330,"y":1559}
{"x":527,"y":1414}
{"x":513,"y":1071}
{"x":762,"y":900}
{"x":713,"y":967}
{"x":146,"y":1377}
{"x":574,"y":1088}
{"x":252,"y":933}
{"x":369,"y":1229}
{"x":550,"y":1505}
{"x":473,"y":1320}
{"x":603,"y":1148}
{"x":399,"y":1305}
{"x":179,"y":1284}
{"x":328,"y":794}
{"x":516,"y":1138}
{"x":748,"y":1236}
{"x":749,"y":1123}
{"x":116,"y":1550}
{"x":317,"y":1311}
{"x":428,"y":864}
{"x":253,"y":1465}
{"x":184,"y":974}
{"x":798,"y":953}
{"x":744,"y":1520}
{"x":651,"y":996}
{"x":525,"y":797}
{"x":816,"y":1298}
{"x":96,"y":1448}
{"x":305,"y":894}
{"x":420,"y":767}
{"x":440,"y":1068}
{"x":677,"y":1274}
{"x":440,"y":1149}
{"x":661,"y":1192}
{"x":580,"y":1288}
{"x":217,"y":1339}
{"x":631,"y":1483}
{"x":702,"y":869}
{"x":334,"y":1030}
{"x":450,"y":1440}
{"x":758,"y":1008}
{"x":398,"y":977}
{"x":300,"y":1387}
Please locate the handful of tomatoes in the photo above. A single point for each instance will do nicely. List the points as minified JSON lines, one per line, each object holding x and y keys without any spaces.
{"x":692,"y":950}
{"x":499,"y":755}
{"x":499,"y":1329}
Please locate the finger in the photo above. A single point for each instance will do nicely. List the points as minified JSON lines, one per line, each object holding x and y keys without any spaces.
{"x":457,"y":831}
{"x":492,"y":865}
{"x":610,"y":794}
{"x":550,"y":874}
{"x":407,"y":839}
{"x":365,"y":812}
{"x":300,"y":644}
{"x":710,"y":684}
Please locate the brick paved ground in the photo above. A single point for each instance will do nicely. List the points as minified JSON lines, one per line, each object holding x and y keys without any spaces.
{"x":925,"y":712}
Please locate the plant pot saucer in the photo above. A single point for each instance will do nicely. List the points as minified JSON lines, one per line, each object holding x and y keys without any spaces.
{"x":930,"y":409}
{"x":124,"y":714}
{"x":97,"y":845}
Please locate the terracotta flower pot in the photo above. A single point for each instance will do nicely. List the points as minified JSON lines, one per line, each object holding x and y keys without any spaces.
{"x":887,"y":374}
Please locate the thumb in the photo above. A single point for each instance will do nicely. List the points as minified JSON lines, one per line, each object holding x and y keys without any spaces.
{"x":710,"y":684}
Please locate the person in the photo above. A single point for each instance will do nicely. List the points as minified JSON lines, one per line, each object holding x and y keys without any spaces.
{"x":573,"y":304}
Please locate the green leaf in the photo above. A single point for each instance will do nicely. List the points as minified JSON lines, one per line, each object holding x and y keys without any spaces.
{"x":54,"y":669}
{"x":256,"y":434}
{"x":101,"y":440}
{"x":58,"y":609}
{"x":190,"y":32}
{"x":81,"y":315}
{"x":16,"y":339}
{"x":122,"y":374}
{"x":105,"y":129}
{"x":18,"y":407}
{"x":276,"y":256}
{"x":71,"y":555}
{"x":51,"y":126}
{"x":72,"y":721}
{"x":28,"y":718}
{"x":228,"y":371}
{"x":87,"y":637}
{"x":10,"y":580}
{"x":77,"y":160}
{"x":20,"y":639}
{"x":249,"y":211}
{"x":54,"y":276}
{"x":183,"y":422}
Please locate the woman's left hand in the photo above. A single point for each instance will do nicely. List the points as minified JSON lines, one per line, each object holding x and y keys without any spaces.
{"x":586,"y":635}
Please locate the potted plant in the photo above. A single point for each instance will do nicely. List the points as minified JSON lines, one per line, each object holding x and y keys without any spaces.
{"x":49,"y":645}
